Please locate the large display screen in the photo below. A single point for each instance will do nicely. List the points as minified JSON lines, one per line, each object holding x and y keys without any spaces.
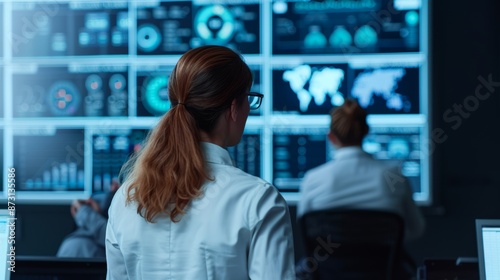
{"x":111,"y":148}
{"x":295,"y":151}
{"x":92,"y":77}
{"x":173,"y":27}
{"x":70,"y":91}
{"x":49,"y":159}
{"x":69,"y":28}
{"x":338,"y":27}
{"x":401,"y":146}
{"x":247,"y":155}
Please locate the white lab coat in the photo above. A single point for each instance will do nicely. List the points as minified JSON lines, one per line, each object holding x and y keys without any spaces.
{"x":239,"y":228}
{"x":355,"y":180}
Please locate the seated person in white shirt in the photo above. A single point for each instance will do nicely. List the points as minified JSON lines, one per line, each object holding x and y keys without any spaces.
{"x":184,"y":211}
{"x":354,"y":179}
{"x":91,"y":217}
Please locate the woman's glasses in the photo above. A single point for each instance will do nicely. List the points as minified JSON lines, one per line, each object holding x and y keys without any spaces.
{"x":255,"y":99}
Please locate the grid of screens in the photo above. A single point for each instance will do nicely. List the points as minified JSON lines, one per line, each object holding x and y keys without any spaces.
{"x":82,"y":82}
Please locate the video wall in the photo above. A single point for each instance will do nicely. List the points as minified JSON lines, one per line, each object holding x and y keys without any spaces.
{"x":83,"y":82}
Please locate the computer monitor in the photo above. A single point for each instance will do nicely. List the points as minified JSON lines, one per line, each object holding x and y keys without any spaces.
{"x":488,"y":248}
{"x":56,"y":167}
{"x":5,"y":245}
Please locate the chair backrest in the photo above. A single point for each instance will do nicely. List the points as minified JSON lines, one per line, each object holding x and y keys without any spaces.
{"x":352,"y":244}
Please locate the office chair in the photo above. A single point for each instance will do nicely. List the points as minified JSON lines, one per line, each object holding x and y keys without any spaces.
{"x":352,"y":244}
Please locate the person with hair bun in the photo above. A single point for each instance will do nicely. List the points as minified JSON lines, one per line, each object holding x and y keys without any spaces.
{"x":354,"y":179}
{"x":184,"y":211}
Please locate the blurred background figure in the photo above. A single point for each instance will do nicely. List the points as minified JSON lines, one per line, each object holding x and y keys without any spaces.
{"x":355,"y":180}
{"x":91,"y":216}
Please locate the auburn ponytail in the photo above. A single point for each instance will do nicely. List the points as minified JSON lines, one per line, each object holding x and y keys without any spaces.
{"x":170,"y":168}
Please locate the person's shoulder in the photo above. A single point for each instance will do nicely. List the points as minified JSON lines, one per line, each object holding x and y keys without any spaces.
{"x":320,"y":170}
{"x":257,"y":185}
{"x":236,"y":183}
{"x":264,"y":199}
{"x":260,"y":186}
{"x":119,"y":196}
{"x":237,"y":175}
{"x":246,"y":190}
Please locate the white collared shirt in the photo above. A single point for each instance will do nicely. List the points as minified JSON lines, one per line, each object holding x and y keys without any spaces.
{"x":355,"y":180}
{"x":239,"y":228}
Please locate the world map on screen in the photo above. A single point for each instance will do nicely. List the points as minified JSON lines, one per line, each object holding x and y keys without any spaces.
{"x":382,"y":83}
{"x":321,"y":83}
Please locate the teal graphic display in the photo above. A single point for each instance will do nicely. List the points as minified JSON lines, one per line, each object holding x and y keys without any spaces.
{"x":215,"y":24}
{"x":64,"y":98}
{"x":155,"y":95}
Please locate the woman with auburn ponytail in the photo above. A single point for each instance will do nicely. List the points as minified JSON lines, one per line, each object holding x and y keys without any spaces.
{"x":184,"y":211}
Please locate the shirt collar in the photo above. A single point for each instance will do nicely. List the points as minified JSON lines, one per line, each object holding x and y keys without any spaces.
{"x":349,"y":152}
{"x":216,"y":154}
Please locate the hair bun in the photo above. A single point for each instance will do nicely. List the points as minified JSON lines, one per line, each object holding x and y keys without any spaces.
{"x":349,"y":123}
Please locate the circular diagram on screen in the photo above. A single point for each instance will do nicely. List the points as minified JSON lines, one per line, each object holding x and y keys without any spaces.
{"x":93,"y":82}
{"x":214,"y":24}
{"x":155,"y":95}
{"x":63,"y":98}
{"x":148,"y":37}
{"x":117,"y":82}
